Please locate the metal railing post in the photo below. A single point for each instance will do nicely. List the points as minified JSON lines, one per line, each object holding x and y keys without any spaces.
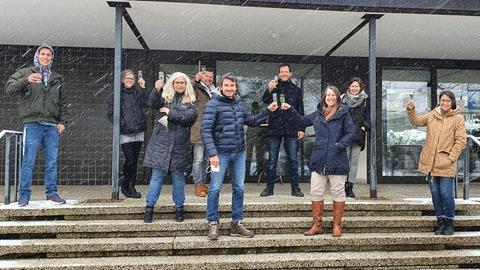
{"x":18,"y":164}
{"x":18,"y":137}
{"x":6,"y":189}
{"x":466,"y":171}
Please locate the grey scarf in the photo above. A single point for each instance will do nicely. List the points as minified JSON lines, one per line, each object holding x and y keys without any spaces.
{"x":354,"y":100}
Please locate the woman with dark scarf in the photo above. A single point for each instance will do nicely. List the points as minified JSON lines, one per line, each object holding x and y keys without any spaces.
{"x":334,"y":132}
{"x":357,"y":100}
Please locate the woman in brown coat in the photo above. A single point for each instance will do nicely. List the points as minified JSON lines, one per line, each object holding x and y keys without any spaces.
{"x":446,"y":137}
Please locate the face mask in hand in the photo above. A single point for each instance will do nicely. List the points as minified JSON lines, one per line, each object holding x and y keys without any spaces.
{"x":163,"y":120}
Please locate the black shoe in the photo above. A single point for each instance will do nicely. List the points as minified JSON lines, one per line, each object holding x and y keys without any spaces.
{"x":297,"y":193}
{"x":128,"y":188}
{"x":148,"y":218}
{"x":449,"y":228}
{"x":349,"y":190}
{"x":125,"y":192}
{"x":266,"y":192}
{"x":135,"y":195}
{"x":440,"y":226}
{"x":179,"y":214}
{"x":133,"y":192}
{"x":123,"y":186}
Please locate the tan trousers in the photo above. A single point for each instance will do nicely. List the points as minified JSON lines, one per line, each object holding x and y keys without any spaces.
{"x":319,"y":184}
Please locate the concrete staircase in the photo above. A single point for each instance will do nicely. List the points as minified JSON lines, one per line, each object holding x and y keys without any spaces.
{"x":377,"y":235}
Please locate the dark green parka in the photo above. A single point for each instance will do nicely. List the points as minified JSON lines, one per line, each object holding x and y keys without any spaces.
{"x":37,"y":101}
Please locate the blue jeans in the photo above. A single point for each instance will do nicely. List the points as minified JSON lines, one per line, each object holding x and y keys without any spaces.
{"x":199,"y":164}
{"x":34,"y":135}
{"x":178,"y":187}
{"x":442,"y":196}
{"x":290,"y":146}
{"x":237,"y":161}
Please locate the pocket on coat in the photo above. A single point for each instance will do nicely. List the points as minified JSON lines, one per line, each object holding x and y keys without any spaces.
{"x":441,"y":160}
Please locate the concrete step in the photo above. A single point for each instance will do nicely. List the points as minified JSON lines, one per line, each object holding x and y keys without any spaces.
{"x":135,"y":210}
{"x":314,"y":260}
{"x":266,"y":243}
{"x":270,"y":225}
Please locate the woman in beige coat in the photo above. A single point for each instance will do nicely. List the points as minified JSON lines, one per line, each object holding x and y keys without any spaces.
{"x":446,"y":137}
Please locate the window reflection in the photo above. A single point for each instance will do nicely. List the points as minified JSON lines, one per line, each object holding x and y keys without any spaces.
{"x":402,"y":143}
{"x":253,"y":80}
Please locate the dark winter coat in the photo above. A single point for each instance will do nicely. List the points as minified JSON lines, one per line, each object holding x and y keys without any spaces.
{"x":37,"y":101}
{"x":332,"y":137}
{"x":360,"y":118}
{"x":280,"y":123}
{"x":169,"y":147}
{"x":132,"y":116}
{"x":223,"y":125}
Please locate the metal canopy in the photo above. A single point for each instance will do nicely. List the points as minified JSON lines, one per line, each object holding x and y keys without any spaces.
{"x":243,"y":29}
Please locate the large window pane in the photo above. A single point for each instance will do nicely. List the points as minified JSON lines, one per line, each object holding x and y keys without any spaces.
{"x":402,"y":142}
{"x":253,"y":79}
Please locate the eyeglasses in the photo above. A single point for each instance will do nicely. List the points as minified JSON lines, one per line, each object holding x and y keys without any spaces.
{"x":129,"y":79}
{"x":180,"y":83}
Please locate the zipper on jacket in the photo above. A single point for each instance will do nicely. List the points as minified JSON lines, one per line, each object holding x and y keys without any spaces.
{"x":325,"y":156}
{"x":44,"y":98}
{"x":237,"y":137}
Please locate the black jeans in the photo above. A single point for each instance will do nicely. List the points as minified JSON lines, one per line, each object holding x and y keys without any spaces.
{"x":131,"y":152}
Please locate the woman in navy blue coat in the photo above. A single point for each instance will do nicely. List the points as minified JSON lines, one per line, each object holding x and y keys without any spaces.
{"x":334,"y":132}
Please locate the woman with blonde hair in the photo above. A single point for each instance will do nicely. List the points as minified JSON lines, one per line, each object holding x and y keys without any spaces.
{"x":169,"y":149}
{"x":446,"y":137}
{"x":334,"y":132}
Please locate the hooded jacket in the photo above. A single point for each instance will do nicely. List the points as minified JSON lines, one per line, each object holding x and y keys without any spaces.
{"x":332,"y":137}
{"x":169,"y":148}
{"x":446,"y":137}
{"x":41,"y":101}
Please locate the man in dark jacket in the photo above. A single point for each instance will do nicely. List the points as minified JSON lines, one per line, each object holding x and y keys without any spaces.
{"x":282,"y":127}
{"x":224,"y":139}
{"x":42,"y":109}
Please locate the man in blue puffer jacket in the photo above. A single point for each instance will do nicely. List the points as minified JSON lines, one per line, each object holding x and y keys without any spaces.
{"x":223,"y":135}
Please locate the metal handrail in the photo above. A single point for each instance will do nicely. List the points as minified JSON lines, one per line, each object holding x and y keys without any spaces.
{"x":466,"y":166}
{"x":18,"y":137}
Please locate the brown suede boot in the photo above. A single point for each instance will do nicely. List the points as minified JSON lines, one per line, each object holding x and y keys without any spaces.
{"x":199,"y":190}
{"x":317,"y":212}
{"x":205,"y":188}
{"x":338,"y":209}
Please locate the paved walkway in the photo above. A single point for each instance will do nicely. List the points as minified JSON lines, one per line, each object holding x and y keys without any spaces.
{"x":394,"y":192}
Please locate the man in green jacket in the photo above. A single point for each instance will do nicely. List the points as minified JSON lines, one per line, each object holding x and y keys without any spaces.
{"x":42,"y":108}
